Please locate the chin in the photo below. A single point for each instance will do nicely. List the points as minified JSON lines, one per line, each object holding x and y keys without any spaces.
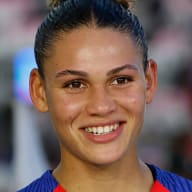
{"x":106,"y":159}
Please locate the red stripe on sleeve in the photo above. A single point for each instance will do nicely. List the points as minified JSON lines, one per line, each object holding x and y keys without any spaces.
{"x":158,"y":187}
{"x":59,"y":189}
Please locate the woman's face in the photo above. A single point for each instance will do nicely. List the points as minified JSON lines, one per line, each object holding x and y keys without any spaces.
{"x":95,"y":90}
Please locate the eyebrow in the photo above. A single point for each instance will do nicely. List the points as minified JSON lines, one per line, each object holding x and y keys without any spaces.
{"x":71,"y":72}
{"x":85,"y":74}
{"x":121,"y":68}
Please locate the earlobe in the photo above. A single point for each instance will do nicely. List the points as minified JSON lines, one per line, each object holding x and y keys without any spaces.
{"x":151,"y":80}
{"x":37,"y":91}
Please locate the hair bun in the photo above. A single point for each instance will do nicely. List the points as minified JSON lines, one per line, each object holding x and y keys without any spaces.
{"x":129,"y":4}
{"x":55,"y":3}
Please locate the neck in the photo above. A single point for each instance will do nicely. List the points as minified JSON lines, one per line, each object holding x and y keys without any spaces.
{"x":128,"y":173}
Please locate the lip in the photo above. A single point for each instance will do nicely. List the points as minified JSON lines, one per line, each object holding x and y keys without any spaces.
{"x":105,"y":138}
{"x":102,"y":124}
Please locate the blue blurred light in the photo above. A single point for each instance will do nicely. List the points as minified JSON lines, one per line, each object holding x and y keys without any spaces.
{"x":24,"y":62}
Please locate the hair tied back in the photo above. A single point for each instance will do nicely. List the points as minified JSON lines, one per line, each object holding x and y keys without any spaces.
{"x":55,"y":3}
{"x":128,"y":4}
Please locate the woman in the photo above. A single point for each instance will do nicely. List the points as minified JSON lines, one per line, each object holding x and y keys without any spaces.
{"x":95,"y":79}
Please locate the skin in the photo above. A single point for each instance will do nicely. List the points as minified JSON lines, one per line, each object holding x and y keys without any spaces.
{"x":95,"y":77}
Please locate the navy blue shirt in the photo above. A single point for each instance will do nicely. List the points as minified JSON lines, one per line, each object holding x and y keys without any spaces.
{"x":164,"y":181}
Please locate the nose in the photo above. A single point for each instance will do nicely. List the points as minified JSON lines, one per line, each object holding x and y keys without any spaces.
{"x":100,"y":103}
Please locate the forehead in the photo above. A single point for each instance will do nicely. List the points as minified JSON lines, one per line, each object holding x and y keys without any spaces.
{"x":94,"y":46}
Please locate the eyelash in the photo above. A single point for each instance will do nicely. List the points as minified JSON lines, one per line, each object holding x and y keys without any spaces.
{"x":78,"y":84}
{"x":126,"y":80}
{"x":75,"y":82}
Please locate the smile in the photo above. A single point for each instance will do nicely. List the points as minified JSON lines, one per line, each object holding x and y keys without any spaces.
{"x":102,"y":130}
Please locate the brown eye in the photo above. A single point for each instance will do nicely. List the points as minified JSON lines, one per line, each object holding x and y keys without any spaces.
{"x":75,"y":84}
{"x":122,"y":80}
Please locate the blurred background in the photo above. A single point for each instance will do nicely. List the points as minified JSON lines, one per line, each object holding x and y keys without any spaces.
{"x":28,"y":145}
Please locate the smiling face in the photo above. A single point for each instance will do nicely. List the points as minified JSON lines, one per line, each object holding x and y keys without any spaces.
{"x":95,"y":90}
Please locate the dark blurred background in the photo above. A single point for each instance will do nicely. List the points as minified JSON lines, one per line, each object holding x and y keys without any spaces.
{"x":28,"y":144}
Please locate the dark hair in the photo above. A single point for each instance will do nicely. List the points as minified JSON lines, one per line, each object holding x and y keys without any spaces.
{"x":72,"y":14}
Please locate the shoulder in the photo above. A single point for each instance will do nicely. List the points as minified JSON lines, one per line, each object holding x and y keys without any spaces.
{"x":171,"y":181}
{"x":46,"y":183}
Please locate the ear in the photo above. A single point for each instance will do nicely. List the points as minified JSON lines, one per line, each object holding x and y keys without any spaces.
{"x":151,"y":80}
{"x":37,"y":91}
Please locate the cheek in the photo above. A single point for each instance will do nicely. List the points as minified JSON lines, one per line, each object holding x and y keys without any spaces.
{"x":132,"y":100}
{"x":64,"y":109}
{"x":133,"y":105}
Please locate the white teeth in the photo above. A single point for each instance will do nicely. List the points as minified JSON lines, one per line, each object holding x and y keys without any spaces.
{"x":115,"y":127}
{"x":111,"y":128}
{"x":102,"y":130}
{"x":106,"y":129}
{"x":94,"y":130}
